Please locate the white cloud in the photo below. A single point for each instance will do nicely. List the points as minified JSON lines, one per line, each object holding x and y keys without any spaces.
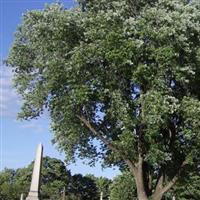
{"x":5,"y":82}
{"x":34,"y":125}
{"x":3,"y":106}
{"x":9,"y":100}
{"x":10,"y":104}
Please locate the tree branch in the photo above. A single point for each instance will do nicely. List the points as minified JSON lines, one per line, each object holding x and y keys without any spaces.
{"x":110,"y":145}
{"x":159,"y":184}
{"x":150,"y":182}
{"x":99,"y":135}
{"x":175,"y":178}
{"x":158,"y":193}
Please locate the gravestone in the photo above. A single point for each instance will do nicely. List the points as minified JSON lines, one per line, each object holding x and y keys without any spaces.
{"x":63,"y":196}
{"x":22,"y":197}
{"x":35,"y":182}
{"x":101,"y":196}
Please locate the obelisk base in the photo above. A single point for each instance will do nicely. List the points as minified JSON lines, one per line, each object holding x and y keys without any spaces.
{"x":32,"y":196}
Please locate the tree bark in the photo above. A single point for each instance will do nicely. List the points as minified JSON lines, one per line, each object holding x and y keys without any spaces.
{"x":157,"y":196}
{"x":161,"y":189}
{"x":139,"y":179}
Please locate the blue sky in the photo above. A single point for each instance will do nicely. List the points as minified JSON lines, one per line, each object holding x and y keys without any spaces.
{"x":18,"y":139}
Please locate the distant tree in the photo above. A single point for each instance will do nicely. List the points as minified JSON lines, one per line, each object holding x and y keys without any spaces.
{"x":123,"y":187}
{"x":125,"y":73}
{"x":103,"y":187}
{"x":102,"y":184}
{"x":8,"y":188}
{"x":54,"y":177}
{"x":82,"y":188}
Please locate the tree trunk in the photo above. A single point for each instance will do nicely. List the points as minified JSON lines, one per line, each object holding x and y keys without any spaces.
{"x":141,"y":193}
{"x":139,"y":179}
{"x":157,"y":196}
{"x":140,"y":189}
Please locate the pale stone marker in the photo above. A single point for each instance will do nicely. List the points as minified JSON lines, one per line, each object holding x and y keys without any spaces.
{"x":63,"y":198}
{"x":35,"y":182}
{"x":101,"y":196}
{"x":22,"y":197}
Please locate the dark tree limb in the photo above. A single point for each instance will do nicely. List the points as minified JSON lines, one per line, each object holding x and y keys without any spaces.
{"x":175,"y":178}
{"x":109,"y":144}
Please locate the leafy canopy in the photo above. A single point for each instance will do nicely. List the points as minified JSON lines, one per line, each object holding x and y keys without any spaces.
{"x":125,"y":75}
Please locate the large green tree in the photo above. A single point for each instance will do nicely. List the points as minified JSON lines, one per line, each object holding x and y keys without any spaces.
{"x":54,"y":177}
{"x":120,"y":72}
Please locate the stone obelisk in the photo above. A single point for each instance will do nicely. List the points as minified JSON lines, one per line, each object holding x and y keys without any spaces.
{"x":101,"y":196}
{"x":22,"y":197}
{"x":35,"y":182}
